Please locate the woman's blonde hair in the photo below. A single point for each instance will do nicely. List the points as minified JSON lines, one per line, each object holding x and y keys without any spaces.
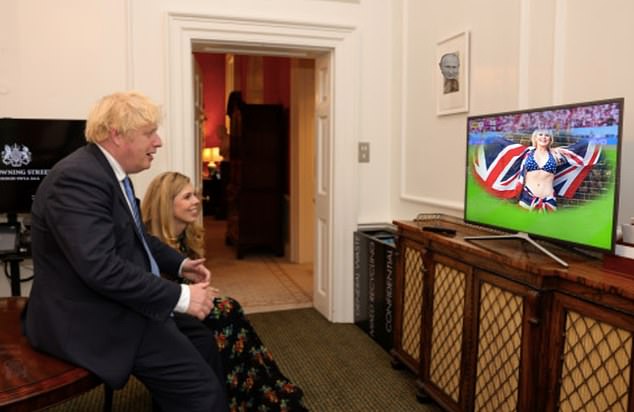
{"x":123,"y":112}
{"x":157,"y":210}
{"x":547,"y":132}
{"x":556,"y":151}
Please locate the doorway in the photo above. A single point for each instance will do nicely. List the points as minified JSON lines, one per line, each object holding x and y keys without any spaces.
{"x":285,"y":79}
{"x":334,"y":274}
{"x":279,"y":77}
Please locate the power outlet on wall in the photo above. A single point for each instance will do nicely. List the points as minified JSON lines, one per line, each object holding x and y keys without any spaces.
{"x":364,"y":152}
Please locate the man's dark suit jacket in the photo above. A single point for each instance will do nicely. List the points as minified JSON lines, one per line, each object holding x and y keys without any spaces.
{"x":93,"y":293}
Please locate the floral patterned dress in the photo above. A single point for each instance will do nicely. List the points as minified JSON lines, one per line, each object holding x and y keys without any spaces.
{"x":254,"y":381}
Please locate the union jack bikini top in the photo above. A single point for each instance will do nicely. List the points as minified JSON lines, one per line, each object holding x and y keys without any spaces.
{"x":550,"y":166}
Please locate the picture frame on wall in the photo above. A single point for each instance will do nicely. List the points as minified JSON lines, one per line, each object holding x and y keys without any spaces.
{"x":452,"y":74}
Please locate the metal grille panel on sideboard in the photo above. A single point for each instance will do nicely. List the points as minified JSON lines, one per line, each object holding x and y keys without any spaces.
{"x":595,"y":373}
{"x":499,"y":349}
{"x":447,"y":326}
{"x":412,"y":302}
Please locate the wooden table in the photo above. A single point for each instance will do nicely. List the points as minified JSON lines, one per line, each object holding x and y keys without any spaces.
{"x":31,"y":380}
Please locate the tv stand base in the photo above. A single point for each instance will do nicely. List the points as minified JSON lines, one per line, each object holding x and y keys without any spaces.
{"x":521,"y":236}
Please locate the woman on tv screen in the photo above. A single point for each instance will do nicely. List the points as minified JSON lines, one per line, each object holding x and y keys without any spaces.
{"x":542,"y":171}
{"x":539,"y":171}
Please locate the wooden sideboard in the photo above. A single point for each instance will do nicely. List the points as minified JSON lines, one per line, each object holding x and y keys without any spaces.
{"x":496,"y":325}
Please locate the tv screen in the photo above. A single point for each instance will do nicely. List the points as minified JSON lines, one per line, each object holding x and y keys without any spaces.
{"x":29,"y":148}
{"x":551,"y":172}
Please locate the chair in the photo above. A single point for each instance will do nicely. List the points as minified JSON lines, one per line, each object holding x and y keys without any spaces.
{"x":30,"y":379}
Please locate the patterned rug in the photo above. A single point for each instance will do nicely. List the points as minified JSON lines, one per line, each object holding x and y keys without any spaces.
{"x":260,"y":282}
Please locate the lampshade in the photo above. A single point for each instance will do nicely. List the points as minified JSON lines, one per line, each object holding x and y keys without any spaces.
{"x":211,"y":154}
{"x":215,"y":153}
{"x":208,"y":154}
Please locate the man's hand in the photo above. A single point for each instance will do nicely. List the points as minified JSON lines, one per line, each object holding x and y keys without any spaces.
{"x":200,"y":300}
{"x":195,"y":271}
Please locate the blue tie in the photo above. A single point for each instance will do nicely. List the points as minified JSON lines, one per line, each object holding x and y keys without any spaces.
{"x":137,"y":223}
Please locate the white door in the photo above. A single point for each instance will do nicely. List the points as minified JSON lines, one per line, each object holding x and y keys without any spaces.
{"x":199,"y":122}
{"x":322,"y":271}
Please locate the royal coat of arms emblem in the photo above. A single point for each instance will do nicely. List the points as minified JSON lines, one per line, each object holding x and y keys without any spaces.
{"x":16,"y":155}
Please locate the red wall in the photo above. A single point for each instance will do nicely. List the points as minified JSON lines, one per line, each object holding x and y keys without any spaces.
{"x":213,"y":72}
{"x":277,"y":80}
{"x":276,"y":86}
{"x":276,"y":76}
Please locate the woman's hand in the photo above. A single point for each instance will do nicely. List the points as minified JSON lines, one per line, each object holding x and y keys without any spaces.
{"x":195,"y":270}
{"x":212,"y":292}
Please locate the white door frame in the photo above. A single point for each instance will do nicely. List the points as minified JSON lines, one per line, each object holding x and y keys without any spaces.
{"x":343,"y":42}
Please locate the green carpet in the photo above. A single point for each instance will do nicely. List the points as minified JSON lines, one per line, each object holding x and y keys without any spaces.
{"x":338,"y":367}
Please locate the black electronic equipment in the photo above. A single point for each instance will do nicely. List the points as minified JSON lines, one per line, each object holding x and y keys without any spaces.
{"x":9,"y":238}
{"x":583,"y":143}
{"x":28,"y":150}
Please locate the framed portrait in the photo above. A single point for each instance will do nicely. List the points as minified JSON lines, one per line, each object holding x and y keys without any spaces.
{"x":452,"y":74}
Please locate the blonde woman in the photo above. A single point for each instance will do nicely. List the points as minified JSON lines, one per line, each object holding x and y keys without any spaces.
{"x":170,"y":212}
{"x":540,"y":167}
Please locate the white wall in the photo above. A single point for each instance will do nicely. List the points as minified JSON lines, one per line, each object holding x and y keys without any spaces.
{"x":524,"y":53}
{"x":597,"y":58}
{"x":57,"y":59}
{"x":85,"y":49}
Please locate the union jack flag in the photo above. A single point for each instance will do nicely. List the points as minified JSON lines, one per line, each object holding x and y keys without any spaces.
{"x":579,"y":159}
{"x":498,"y":165}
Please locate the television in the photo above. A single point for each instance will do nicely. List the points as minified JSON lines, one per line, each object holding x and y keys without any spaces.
{"x":565,"y":190}
{"x":29,"y":149}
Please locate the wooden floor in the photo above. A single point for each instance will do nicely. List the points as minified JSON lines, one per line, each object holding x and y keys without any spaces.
{"x":260,"y":282}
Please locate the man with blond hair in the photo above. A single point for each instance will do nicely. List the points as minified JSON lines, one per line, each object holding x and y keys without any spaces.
{"x":97,"y":299}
